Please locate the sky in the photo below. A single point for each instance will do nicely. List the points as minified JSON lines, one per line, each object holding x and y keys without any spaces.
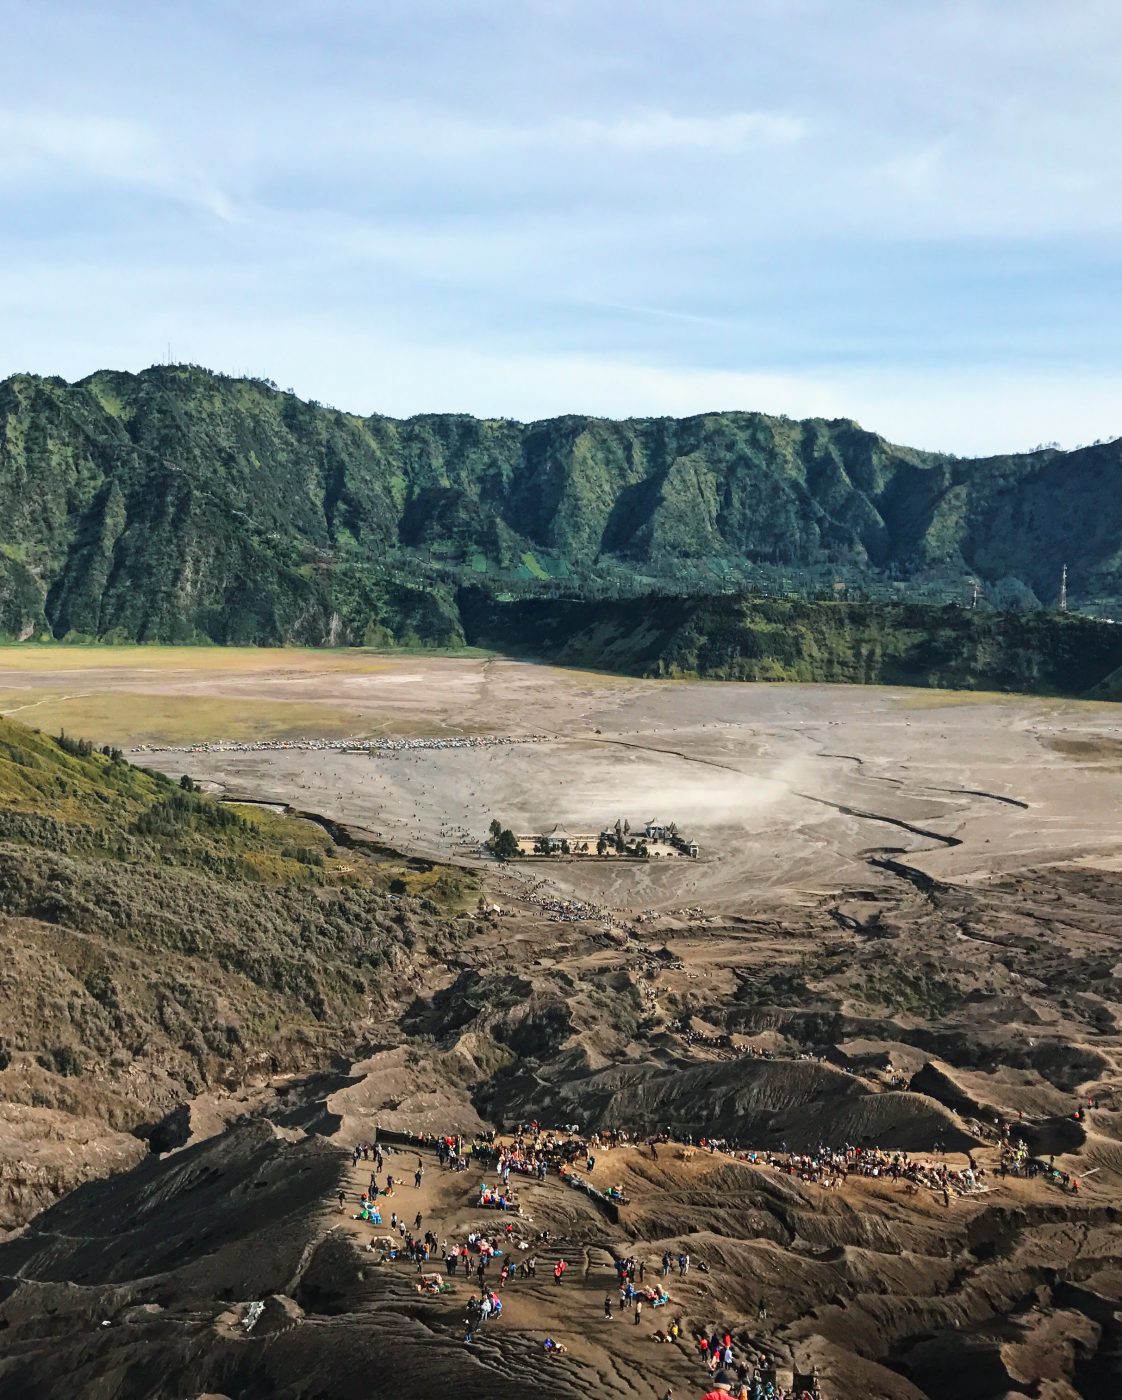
{"x":907,"y":212}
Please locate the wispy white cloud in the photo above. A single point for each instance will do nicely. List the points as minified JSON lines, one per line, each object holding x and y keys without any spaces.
{"x":44,"y":145}
{"x":987,"y":409}
{"x":401,"y":369}
{"x":914,"y":172}
{"x":106,"y":147}
{"x":637,"y":132}
{"x":669,"y":131}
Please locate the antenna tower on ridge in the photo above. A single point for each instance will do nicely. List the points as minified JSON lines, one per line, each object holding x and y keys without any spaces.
{"x":1063,"y":589}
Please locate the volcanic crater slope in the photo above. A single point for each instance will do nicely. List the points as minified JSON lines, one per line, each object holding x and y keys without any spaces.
{"x":143,"y":1285}
{"x":162,"y":948}
{"x":360,"y":992}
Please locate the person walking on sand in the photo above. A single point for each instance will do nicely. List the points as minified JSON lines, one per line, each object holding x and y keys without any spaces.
{"x":638,"y":1311}
{"x":608,"y":1306}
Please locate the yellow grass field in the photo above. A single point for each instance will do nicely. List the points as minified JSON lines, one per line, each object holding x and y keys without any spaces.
{"x":131,"y":695}
{"x":165,"y":695}
{"x":35,"y":657}
{"x":152,"y":718}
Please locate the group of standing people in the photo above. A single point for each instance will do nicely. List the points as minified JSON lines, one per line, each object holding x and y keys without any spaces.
{"x":489,"y":1259}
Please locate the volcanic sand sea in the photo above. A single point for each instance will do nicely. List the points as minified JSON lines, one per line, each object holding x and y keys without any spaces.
{"x":787,"y":788}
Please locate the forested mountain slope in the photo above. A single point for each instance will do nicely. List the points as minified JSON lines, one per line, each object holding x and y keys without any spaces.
{"x":178,"y":504}
{"x":779,"y":639}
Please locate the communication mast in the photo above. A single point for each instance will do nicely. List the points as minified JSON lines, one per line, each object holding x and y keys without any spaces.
{"x":1063,"y":589}
{"x":973,"y":594}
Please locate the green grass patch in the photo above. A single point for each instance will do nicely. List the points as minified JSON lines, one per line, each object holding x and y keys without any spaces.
{"x":532,"y":567}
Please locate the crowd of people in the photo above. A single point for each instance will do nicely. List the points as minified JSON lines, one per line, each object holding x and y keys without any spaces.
{"x":566,"y":911}
{"x":491,"y":1259}
{"x":368,"y":746}
{"x":634,"y":1291}
{"x":470,"y":1258}
{"x":537,"y":1151}
{"x":1017,"y":1161}
{"x":831,"y":1167}
{"x":736,"y":1364}
{"x":569,"y":910}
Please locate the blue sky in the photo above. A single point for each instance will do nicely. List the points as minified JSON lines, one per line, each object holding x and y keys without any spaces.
{"x":908,"y":212}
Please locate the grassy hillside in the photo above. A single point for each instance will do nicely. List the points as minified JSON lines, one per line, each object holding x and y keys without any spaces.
{"x":179,"y":505}
{"x":157,"y":943}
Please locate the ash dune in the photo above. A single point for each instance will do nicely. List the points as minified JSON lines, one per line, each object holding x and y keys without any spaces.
{"x":337,"y":1320}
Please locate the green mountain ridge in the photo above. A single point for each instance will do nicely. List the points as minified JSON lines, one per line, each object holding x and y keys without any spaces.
{"x":181,"y":505}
